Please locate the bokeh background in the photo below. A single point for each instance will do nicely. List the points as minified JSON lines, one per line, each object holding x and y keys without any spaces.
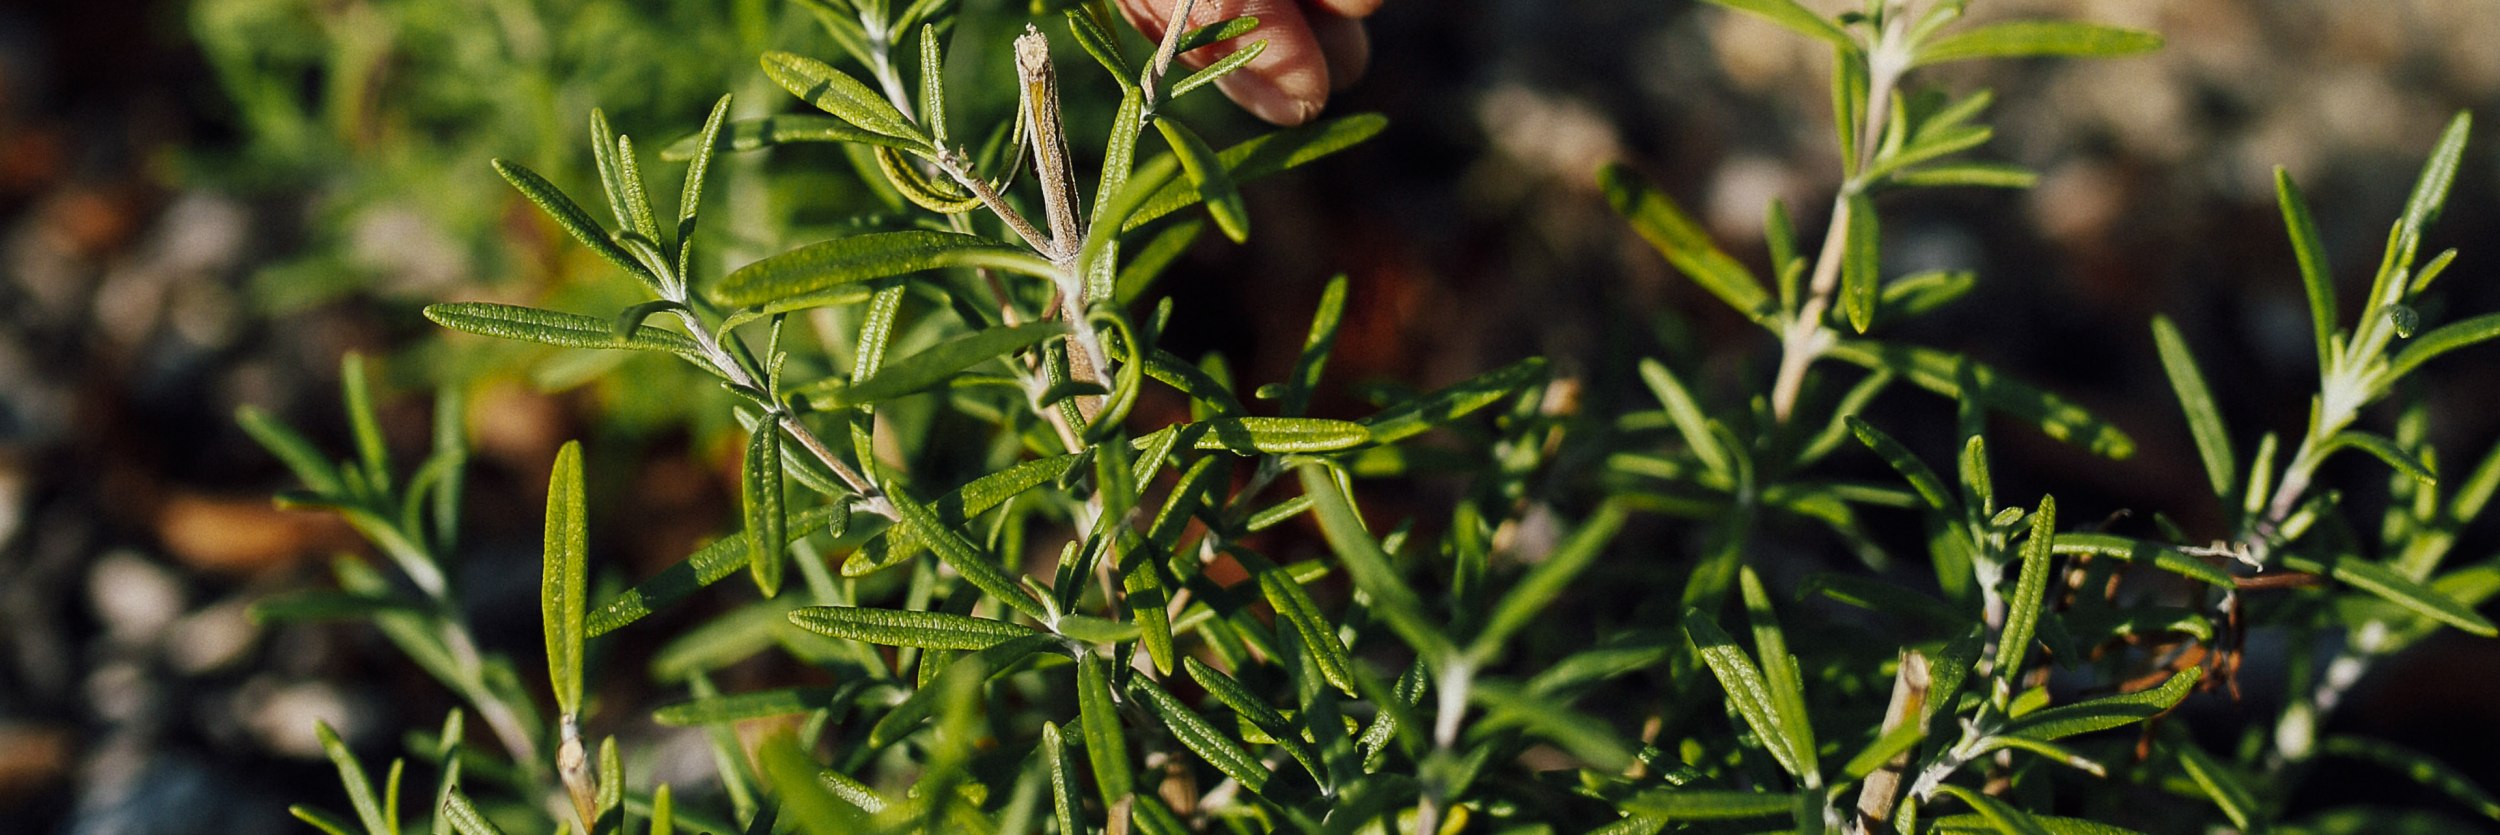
{"x":207,"y":204}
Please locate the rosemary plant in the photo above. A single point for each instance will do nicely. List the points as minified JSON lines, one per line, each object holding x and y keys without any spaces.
{"x":1046,"y":612}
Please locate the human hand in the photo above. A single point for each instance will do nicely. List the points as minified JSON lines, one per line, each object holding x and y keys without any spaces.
{"x":1313,"y":47}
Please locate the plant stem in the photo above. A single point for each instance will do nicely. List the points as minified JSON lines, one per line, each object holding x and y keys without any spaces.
{"x":1807,"y":337}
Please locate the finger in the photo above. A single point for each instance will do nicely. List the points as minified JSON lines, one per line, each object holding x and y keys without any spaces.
{"x":1286,"y":84}
{"x":1348,"y":8}
{"x":1346,"y":46}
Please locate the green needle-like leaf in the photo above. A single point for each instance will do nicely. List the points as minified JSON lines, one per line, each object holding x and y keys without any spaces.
{"x":565,"y":577}
{"x":2165,"y":557}
{"x":1690,"y":422}
{"x":2440,"y":340}
{"x":1779,"y":674}
{"x":709,"y":564}
{"x":818,"y":267}
{"x":768,"y":524}
{"x":1747,"y":690}
{"x":1942,"y":373}
{"x":1206,"y":172}
{"x":300,"y":456}
{"x":464,"y":816}
{"x":1678,"y":237}
{"x":1269,"y":154}
{"x":1542,"y":584}
{"x":961,"y":554}
{"x":1709,"y":804}
{"x":2229,"y":793}
{"x":1922,"y":478}
{"x":835,"y":92}
{"x":1277,"y":435}
{"x":1259,"y":714}
{"x":2033,"y":38}
{"x":569,"y":215}
{"x":1999,"y":814}
{"x":1202,"y":737}
{"x":2418,"y":766}
{"x":698,"y":169}
{"x":2204,"y":419}
{"x":2107,"y":712}
{"x":1859,"y":264}
{"x":2031,"y":588}
{"x":934,"y":364}
{"x":2384,"y":449}
{"x":567,"y":330}
{"x":1220,"y":68}
{"x":1391,"y":598}
{"x":1797,"y":18}
{"x":1419,"y":414}
{"x":1319,"y":637}
{"x":369,"y":810}
{"x":2396,"y":588}
{"x":788,"y":701}
{"x":2314,"y":278}
{"x":2430,"y":191}
{"x":1106,"y":747}
{"x":904,"y":628}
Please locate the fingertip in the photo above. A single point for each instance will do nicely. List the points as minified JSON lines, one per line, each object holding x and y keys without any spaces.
{"x":1345,"y":45}
{"x":1348,"y":8}
{"x":1287,"y":84}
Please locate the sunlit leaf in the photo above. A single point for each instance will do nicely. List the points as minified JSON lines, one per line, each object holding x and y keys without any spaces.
{"x":565,"y":577}
{"x":818,"y":267}
{"x":2032,"y":38}
{"x":906,"y":628}
{"x":835,"y":92}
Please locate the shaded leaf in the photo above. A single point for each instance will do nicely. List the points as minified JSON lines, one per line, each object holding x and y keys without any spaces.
{"x":1936,"y":371}
{"x":1263,"y":156}
{"x":2204,"y":419}
{"x":1415,"y":416}
{"x":1678,"y":237}
{"x":709,"y":710}
{"x":2396,"y":588}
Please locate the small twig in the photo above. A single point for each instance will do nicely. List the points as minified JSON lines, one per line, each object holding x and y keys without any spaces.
{"x":1882,"y":789}
{"x":1173,"y":28}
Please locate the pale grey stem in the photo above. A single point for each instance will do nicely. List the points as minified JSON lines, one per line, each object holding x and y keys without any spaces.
{"x":1173,"y":28}
{"x":1807,"y":337}
{"x":960,"y":170}
{"x":872,"y":499}
{"x":1039,"y":86}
